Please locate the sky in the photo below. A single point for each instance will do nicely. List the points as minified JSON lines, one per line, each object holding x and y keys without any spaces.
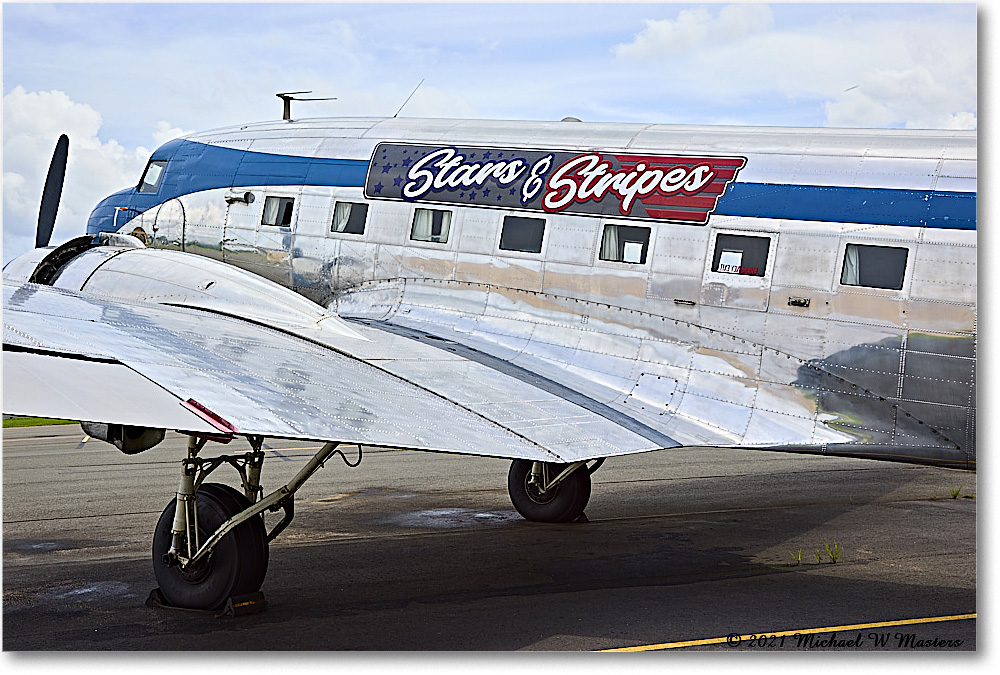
{"x":120,"y":79}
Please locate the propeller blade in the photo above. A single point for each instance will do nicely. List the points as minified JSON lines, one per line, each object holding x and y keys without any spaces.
{"x":52,"y":192}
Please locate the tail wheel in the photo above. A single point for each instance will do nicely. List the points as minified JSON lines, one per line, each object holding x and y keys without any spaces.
{"x":236,"y":566}
{"x":562,"y":503}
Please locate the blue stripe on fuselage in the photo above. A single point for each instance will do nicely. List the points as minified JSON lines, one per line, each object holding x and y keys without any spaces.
{"x":194,"y":167}
{"x":870,"y":206}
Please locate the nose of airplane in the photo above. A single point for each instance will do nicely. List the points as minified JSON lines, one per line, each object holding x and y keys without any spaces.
{"x":102,"y":218}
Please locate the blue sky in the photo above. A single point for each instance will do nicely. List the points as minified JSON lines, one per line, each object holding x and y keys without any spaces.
{"x":123,"y":78}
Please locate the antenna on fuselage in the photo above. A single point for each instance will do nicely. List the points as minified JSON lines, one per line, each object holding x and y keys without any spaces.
{"x":409,"y":97}
{"x":289,"y":96}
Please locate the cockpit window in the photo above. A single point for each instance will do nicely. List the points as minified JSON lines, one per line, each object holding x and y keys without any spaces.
{"x":152,"y":176}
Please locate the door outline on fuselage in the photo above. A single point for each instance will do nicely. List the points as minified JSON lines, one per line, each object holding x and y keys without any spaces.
{"x":165,"y":210}
{"x":253,"y":251}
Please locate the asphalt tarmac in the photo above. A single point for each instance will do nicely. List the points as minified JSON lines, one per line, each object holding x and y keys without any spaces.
{"x":693,"y":549}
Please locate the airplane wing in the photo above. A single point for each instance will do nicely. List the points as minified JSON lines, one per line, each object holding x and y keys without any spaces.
{"x":96,"y":358}
{"x":422,"y":364}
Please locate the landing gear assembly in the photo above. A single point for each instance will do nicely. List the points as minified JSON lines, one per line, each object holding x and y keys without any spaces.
{"x":550,"y":493}
{"x":237,"y":564}
{"x":211,"y":542}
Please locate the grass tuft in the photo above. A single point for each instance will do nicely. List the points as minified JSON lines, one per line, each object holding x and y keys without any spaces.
{"x":32,"y":422}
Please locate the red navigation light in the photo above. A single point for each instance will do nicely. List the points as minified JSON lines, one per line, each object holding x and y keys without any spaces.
{"x":211,"y":417}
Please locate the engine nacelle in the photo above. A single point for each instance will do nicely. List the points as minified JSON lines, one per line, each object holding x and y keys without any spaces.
{"x":130,"y":440}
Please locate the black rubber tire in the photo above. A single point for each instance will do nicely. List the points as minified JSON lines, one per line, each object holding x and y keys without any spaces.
{"x":237,"y":565}
{"x":563,"y":504}
{"x":255,"y":567}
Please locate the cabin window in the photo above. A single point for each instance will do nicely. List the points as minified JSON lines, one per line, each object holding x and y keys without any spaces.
{"x":739,"y":254}
{"x":349,"y":218}
{"x":278,"y":211}
{"x":151,"y":177}
{"x":522,"y":234}
{"x":431,"y":225}
{"x":625,"y":243}
{"x":874,"y":266}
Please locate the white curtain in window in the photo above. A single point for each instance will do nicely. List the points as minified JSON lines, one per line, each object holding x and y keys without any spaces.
{"x":609,"y":246}
{"x":341,"y":214}
{"x":852,"y":270}
{"x":270,"y":211}
{"x":445,"y":221}
{"x":422,"y":221}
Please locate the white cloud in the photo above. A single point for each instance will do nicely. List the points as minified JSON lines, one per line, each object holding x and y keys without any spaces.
{"x":165,"y":132}
{"x":32,"y":121}
{"x":695,"y":29}
{"x":863,"y":69}
{"x":915,"y":95}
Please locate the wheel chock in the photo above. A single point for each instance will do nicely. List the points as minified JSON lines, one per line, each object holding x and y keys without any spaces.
{"x":241,"y":605}
{"x":237,"y":605}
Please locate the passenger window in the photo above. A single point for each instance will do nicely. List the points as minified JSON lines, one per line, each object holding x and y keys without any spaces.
{"x":151,"y":177}
{"x":522,"y":234}
{"x":874,"y":266}
{"x":739,"y":254}
{"x":431,"y":225}
{"x":625,"y":243}
{"x":278,"y":211}
{"x":349,"y":218}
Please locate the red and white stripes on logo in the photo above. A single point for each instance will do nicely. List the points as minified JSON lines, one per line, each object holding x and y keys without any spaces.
{"x":683,"y":189}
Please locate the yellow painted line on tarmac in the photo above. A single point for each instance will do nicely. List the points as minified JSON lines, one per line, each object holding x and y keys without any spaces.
{"x":736,"y":638}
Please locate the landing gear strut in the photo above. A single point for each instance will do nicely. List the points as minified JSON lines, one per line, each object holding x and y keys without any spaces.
{"x":550,"y":493}
{"x":211,"y":543}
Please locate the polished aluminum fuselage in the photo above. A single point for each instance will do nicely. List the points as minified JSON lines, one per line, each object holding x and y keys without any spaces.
{"x":732,"y":359}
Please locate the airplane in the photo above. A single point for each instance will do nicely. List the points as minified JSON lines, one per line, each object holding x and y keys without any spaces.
{"x":552,"y":293}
